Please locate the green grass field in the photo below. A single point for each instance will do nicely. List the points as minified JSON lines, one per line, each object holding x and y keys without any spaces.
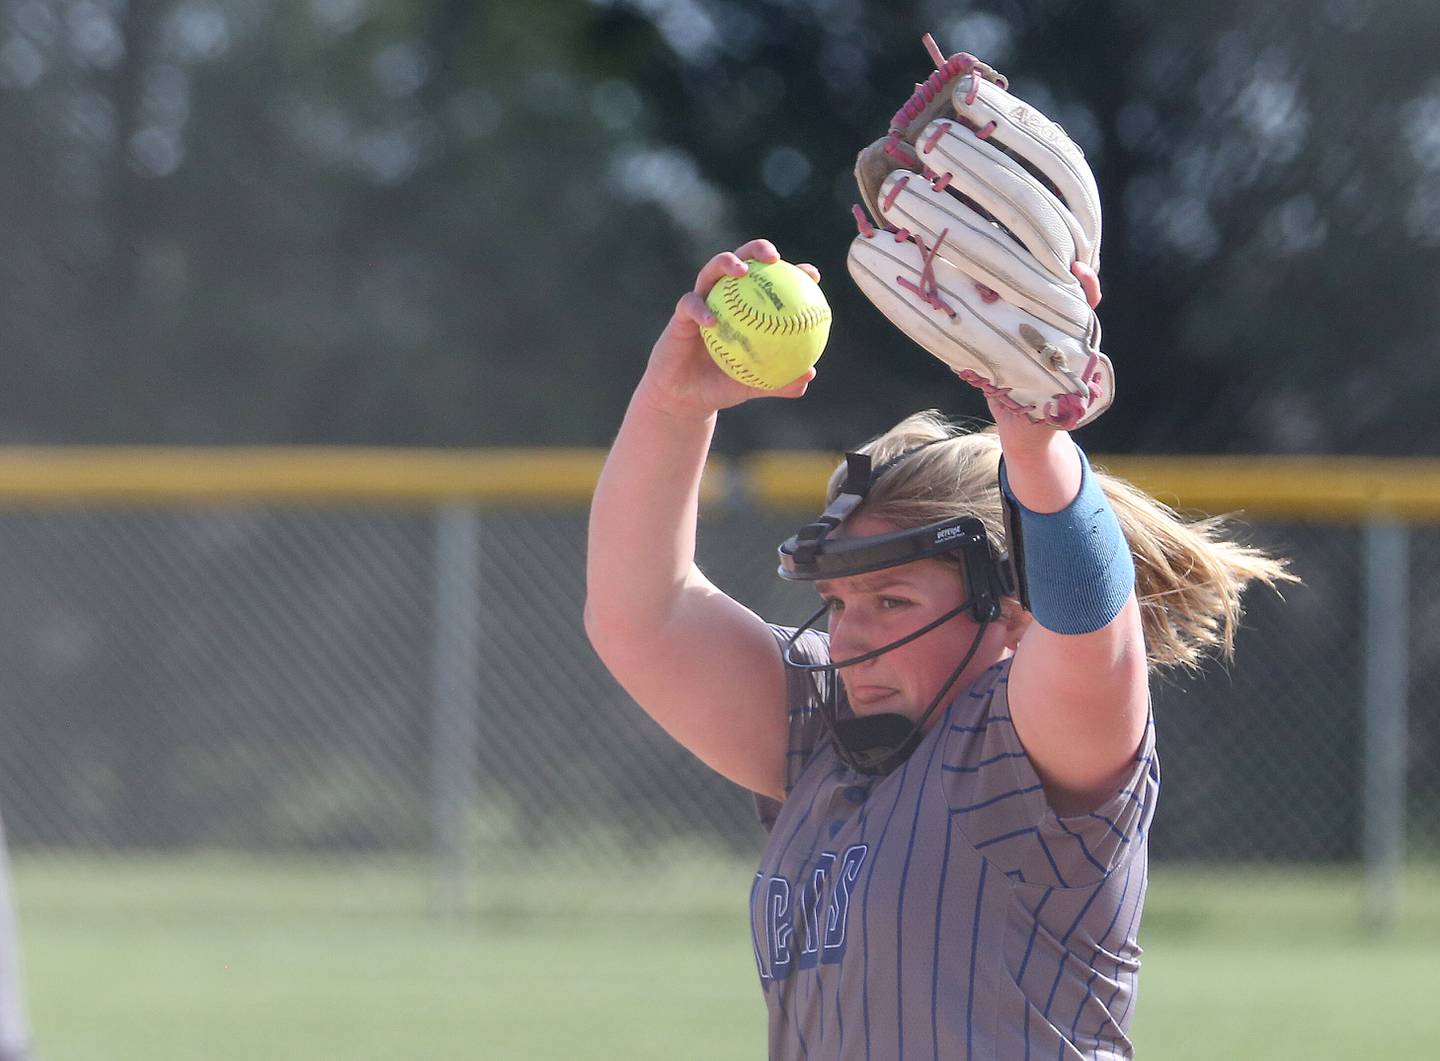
{"x":222,"y":960}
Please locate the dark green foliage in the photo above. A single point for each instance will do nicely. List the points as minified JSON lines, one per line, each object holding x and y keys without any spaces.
{"x":453,"y":223}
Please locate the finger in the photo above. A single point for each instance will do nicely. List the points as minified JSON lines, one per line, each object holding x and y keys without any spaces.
{"x":1089,"y":282}
{"x":692,"y":307}
{"x":795,"y":388}
{"x":810,"y":271}
{"x":762,"y":249}
{"x":722,"y":265}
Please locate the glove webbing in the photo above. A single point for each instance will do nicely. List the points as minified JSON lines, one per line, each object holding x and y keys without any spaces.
{"x":946,"y":70}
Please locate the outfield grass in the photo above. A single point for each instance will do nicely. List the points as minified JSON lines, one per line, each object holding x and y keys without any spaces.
{"x":1278,"y":965}
{"x":209,"y":958}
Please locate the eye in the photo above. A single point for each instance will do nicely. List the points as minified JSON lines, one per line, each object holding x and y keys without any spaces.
{"x":891,"y":603}
{"x":834,"y":604}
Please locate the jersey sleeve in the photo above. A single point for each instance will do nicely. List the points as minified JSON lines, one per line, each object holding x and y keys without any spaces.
{"x":1093,"y":845}
{"x":804,"y":691}
{"x":997,"y":799}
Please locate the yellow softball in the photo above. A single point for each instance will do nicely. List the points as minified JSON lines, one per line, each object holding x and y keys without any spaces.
{"x":770,"y":324}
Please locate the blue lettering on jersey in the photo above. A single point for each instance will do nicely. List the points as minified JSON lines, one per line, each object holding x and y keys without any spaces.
{"x":838,"y":913}
{"x":808,"y":915}
{"x":760,"y":962}
{"x":825,"y":887}
{"x":778,"y":928}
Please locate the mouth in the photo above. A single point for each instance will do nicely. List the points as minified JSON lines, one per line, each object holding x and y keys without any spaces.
{"x":866,"y":695}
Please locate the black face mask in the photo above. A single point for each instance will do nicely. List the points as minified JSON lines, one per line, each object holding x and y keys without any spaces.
{"x":877,"y":744}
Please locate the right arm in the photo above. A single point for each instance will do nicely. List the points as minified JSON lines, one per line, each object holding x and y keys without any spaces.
{"x":702,"y":665}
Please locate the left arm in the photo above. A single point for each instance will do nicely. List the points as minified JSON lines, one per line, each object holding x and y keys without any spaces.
{"x":1079,"y":701}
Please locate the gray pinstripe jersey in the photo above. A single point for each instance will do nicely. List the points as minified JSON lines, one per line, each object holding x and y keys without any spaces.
{"x":945,"y":911}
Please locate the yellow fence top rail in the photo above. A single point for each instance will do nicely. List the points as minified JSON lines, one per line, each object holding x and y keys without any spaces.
{"x":1307,"y":488}
{"x":316,"y":475}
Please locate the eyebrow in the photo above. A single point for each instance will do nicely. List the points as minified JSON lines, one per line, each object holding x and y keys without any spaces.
{"x":866,"y":584}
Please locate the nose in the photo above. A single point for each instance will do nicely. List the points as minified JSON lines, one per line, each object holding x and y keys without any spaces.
{"x":851,"y":636}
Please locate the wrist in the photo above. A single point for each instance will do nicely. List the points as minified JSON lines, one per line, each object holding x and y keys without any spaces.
{"x":1033,"y":444}
{"x":1021,"y":434}
{"x":1044,"y":470}
{"x":653,"y":398}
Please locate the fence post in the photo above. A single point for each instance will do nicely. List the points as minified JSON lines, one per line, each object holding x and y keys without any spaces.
{"x":1387,"y":670}
{"x":455,"y":683}
{"x":14,"y":1032}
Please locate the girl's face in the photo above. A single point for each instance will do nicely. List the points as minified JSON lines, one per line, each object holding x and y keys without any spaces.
{"x":870,"y":611}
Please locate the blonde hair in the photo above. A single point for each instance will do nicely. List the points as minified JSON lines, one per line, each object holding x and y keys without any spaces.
{"x":1189,"y":575}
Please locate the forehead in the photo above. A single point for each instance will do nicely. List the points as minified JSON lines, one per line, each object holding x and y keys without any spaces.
{"x":864,"y":525}
{"x":911,"y":574}
{"x":922,"y":578}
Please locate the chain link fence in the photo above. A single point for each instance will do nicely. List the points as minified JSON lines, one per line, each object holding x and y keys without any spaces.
{"x":1423,"y":745}
{"x":349,"y":682}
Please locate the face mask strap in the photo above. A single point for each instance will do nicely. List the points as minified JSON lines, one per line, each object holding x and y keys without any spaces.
{"x":954,"y":676}
{"x":872,"y":758}
{"x":858,"y":477}
{"x":814,"y":620}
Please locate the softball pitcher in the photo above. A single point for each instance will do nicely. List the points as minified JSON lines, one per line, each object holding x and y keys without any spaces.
{"x":958,"y":773}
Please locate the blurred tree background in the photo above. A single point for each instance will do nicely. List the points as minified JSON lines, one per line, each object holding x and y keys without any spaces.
{"x":460,"y":222}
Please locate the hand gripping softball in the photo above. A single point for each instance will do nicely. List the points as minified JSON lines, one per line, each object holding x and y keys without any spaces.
{"x":980,"y":205}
